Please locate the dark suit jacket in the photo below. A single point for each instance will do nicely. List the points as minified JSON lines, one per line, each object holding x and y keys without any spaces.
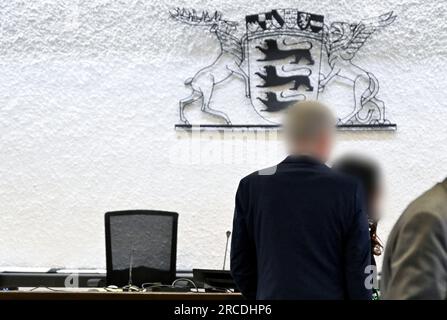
{"x":300,"y":232}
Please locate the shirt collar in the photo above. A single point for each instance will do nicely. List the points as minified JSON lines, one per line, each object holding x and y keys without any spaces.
{"x":306,"y":159}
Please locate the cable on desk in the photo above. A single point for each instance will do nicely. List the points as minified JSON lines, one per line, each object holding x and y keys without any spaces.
{"x":51,"y":289}
{"x":187,"y":280}
{"x":150,"y":285}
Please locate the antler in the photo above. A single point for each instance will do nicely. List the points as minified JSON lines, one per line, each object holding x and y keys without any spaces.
{"x":191,"y":16}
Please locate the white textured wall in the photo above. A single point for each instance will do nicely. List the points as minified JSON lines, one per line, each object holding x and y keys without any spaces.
{"x":88,"y":100}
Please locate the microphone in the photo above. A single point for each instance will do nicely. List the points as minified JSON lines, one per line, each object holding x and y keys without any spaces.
{"x":130,"y":267}
{"x":130,"y":286}
{"x":228,"y":234}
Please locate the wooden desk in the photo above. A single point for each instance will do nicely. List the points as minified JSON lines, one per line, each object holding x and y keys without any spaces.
{"x":86,"y":295}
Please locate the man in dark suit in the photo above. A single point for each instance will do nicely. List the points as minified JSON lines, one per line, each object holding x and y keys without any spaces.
{"x":299,"y":229}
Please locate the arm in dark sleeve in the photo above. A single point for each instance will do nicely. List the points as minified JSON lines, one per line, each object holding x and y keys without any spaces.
{"x":358,"y":251}
{"x":243,"y":252}
{"x":419,"y":260}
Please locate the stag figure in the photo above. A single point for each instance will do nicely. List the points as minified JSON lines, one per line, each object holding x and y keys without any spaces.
{"x":228,"y":63}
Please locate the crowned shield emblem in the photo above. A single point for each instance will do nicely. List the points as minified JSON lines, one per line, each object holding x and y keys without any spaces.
{"x":284,"y":56}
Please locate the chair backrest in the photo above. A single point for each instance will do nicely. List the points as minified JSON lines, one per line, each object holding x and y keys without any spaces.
{"x":144,"y":241}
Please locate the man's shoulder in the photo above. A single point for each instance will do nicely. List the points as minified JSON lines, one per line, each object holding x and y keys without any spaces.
{"x":429,"y":210}
{"x":328,"y":176}
{"x":340,"y":181}
{"x":261,"y":173}
{"x":425,"y":217}
{"x":252,"y":178}
{"x":265,"y":172}
{"x":342,"y":178}
{"x":432,"y":202}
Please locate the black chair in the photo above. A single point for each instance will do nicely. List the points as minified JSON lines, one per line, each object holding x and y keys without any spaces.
{"x":141,"y":247}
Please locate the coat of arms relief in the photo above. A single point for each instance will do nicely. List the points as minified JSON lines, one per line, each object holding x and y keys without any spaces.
{"x":279,"y":57}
